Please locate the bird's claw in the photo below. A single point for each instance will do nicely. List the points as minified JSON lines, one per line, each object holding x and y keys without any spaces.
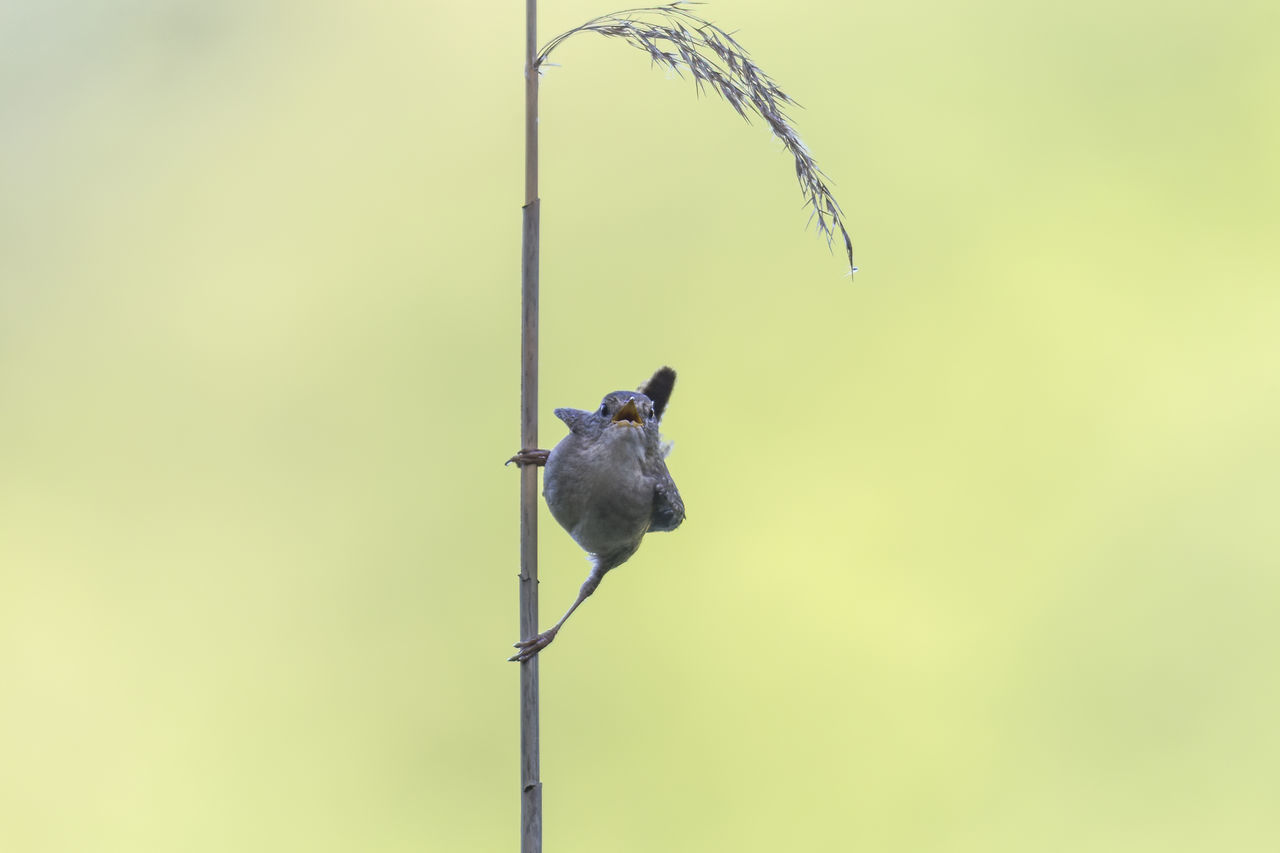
{"x":530,"y":457}
{"x":530,"y":647}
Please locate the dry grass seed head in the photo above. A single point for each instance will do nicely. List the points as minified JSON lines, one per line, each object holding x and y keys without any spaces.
{"x":679,"y":40}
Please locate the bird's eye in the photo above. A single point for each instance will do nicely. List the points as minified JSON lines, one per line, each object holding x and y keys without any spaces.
{"x":604,"y":408}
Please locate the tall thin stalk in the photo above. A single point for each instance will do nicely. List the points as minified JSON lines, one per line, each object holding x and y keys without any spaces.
{"x":684,"y":42}
{"x":530,"y":770}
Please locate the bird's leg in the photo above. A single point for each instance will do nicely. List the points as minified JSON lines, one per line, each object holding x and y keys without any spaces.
{"x":530,"y":647}
{"x":530,"y":457}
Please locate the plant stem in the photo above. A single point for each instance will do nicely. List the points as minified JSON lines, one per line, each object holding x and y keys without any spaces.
{"x":530,"y":771}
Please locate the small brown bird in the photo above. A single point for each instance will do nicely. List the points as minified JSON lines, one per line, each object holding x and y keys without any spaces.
{"x":607,"y":483}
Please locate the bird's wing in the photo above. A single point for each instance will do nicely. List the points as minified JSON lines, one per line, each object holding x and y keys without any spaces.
{"x":668,"y":508}
{"x":575,"y":419}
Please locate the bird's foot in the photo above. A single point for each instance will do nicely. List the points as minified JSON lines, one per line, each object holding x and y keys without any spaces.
{"x":530,"y":457}
{"x":530,"y":647}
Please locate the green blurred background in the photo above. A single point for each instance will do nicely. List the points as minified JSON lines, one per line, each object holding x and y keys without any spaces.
{"x":982,"y":550}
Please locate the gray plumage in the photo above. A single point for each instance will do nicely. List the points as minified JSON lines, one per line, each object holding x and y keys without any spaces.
{"x":607,"y":483}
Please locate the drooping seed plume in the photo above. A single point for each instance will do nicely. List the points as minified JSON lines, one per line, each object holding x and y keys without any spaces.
{"x":677,"y":39}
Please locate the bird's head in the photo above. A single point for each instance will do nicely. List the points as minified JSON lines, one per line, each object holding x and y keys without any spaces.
{"x":625,"y":410}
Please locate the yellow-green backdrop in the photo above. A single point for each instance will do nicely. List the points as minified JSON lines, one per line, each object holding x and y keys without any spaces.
{"x":982,"y":550}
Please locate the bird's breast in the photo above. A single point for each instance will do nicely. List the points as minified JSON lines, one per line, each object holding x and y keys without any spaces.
{"x":598,"y":489}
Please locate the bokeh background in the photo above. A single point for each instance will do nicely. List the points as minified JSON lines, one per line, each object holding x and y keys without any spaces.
{"x":982,"y":550}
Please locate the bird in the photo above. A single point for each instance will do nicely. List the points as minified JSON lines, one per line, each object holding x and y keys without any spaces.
{"x":607,"y":484}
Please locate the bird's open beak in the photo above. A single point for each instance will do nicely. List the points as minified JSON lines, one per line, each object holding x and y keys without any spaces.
{"x":628,"y":414}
